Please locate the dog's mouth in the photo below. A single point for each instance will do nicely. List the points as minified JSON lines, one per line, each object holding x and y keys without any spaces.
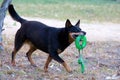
{"x":74,"y":35}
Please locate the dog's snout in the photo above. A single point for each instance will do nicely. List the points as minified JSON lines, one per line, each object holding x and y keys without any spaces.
{"x":83,"y":33}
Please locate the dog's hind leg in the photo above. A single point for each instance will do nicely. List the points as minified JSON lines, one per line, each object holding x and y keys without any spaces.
{"x":29,"y":53}
{"x":18,"y":45}
{"x":13,"y":56}
{"x":49,"y":59}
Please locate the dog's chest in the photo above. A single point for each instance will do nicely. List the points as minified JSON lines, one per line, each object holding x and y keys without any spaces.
{"x":59,"y":51}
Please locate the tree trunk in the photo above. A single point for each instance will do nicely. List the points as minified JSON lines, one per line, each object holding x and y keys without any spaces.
{"x":3,"y":10}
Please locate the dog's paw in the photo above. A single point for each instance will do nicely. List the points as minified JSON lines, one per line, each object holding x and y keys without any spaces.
{"x":69,"y":71}
{"x":13,"y":63}
{"x":45,"y":69}
{"x":34,"y":65}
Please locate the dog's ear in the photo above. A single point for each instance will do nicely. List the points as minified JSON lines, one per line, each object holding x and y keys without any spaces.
{"x":68,"y":24}
{"x":77,"y":24}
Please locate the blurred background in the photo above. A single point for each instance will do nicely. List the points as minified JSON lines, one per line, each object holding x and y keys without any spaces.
{"x":99,"y":18}
{"x":87,"y":10}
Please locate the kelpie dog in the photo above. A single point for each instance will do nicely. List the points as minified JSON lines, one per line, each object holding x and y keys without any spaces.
{"x":48,"y":39}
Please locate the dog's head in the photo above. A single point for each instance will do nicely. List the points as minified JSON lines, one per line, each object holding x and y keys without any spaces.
{"x":73,"y":30}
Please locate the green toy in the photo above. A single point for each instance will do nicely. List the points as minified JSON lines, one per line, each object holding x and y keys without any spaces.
{"x":80,"y":43}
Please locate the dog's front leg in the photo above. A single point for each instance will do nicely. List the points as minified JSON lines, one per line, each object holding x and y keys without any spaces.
{"x":56,"y":57}
{"x":66,"y":67}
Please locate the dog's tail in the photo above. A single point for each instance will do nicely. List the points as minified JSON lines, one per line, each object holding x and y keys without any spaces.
{"x":14,"y":14}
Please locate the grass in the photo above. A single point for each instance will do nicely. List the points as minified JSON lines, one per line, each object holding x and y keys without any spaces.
{"x":87,"y":10}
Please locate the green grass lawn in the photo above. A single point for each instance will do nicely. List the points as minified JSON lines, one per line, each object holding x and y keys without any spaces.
{"x":86,"y":10}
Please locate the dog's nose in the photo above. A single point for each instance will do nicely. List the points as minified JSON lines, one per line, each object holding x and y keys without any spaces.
{"x":84,"y":33}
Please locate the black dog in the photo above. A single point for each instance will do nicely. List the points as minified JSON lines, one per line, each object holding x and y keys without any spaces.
{"x":48,"y":39}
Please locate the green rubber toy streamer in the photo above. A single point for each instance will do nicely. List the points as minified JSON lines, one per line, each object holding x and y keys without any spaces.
{"x":80,"y":43}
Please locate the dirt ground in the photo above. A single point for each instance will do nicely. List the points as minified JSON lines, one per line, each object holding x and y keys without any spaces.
{"x":101,"y":55}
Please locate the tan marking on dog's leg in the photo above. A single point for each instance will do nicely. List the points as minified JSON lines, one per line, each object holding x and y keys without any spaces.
{"x":13,"y":58}
{"x":66,"y":67}
{"x":49,"y":59}
{"x":29,"y":53}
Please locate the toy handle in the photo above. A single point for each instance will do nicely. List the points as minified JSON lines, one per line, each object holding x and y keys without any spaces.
{"x":81,"y":62}
{"x":82,"y":67}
